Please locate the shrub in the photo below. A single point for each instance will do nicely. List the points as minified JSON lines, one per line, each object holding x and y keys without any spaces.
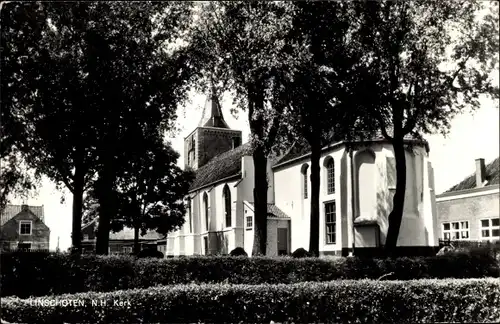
{"x":301,"y":253}
{"x":150,"y":253}
{"x":239,"y":251}
{"x":362,"y":301}
{"x":31,"y":274}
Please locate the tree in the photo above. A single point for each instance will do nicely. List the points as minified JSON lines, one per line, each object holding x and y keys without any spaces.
{"x":243,"y":44}
{"x":324,"y":90}
{"x":428,"y":61}
{"x":151,"y":191}
{"x":14,"y":176}
{"x":104,"y":74}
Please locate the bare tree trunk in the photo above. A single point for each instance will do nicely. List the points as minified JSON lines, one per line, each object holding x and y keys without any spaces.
{"x":107,"y":206}
{"x":260,"y":201}
{"x":76,"y":235}
{"x":315,"y":184}
{"x":136,"y":239}
{"x":396,"y":215}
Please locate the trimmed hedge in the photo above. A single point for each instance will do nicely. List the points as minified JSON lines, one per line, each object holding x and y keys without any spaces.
{"x":361,"y":301}
{"x":38,"y":274}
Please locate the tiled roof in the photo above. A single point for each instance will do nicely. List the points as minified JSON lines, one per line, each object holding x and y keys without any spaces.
{"x":492,"y":177}
{"x":273,"y":211}
{"x":301,"y":147}
{"x":12,"y":210}
{"x":127,"y":233}
{"x":222,"y":166}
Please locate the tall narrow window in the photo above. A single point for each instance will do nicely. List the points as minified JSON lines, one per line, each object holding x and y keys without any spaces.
{"x":190,"y":215}
{"x":226,"y":193}
{"x":330,"y":223}
{"x":330,"y":176}
{"x":205,"y":209}
{"x":304,"y":179}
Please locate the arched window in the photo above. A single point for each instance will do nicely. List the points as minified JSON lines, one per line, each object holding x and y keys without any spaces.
{"x":226,"y":195}
{"x":330,"y":176}
{"x":205,"y":209}
{"x":304,"y":179}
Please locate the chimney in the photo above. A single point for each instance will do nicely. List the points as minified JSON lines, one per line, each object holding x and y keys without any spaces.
{"x":480,"y":173}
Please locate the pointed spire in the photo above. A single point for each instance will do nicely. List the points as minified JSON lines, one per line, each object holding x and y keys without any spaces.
{"x":213,"y":108}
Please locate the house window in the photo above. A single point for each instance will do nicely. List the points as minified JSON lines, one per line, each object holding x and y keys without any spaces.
{"x":205,"y":209}
{"x":249,"y":222}
{"x":226,"y":193}
{"x":330,"y":176}
{"x":25,"y":227}
{"x":127,"y":249}
{"x":456,"y":230}
{"x":24,"y":246}
{"x":490,"y":228}
{"x":330,"y":216}
{"x":304,"y":179}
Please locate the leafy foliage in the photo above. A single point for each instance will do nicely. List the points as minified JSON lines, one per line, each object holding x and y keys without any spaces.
{"x":85,"y":80}
{"x":25,"y":274}
{"x":363,"y":301}
{"x":428,"y":61}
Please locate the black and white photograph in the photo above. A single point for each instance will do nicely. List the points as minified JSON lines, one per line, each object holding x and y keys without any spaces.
{"x":250,"y":161}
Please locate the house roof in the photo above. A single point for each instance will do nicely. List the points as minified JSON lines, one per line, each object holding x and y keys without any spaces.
{"x":492,"y":177}
{"x":128,"y":234}
{"x":12,"y":210}
{"x":222,"y":166}
{"x":272,"y":211}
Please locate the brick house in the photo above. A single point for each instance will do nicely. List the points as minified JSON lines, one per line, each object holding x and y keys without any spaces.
{"x":23,"y":227}
{"x":121,"y":242}
{"x":470,"y":210}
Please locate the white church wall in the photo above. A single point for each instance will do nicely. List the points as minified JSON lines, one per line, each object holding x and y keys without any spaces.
{"x":417,"y":224}
{"x":245,"y":187}
{"x":326,"y":198}
{"x":248,"y":232}
{"x":289,"y":198}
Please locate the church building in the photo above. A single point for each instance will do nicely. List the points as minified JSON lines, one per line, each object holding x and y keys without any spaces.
{"x":356,"y":190}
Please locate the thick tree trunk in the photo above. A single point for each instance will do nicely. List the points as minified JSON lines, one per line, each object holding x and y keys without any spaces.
{"x":396,"y":215}
{"x":107,"y":207}
{"x":76,"y":235}
{"x":315,"y":184}
{"x":260,"y":202}
{"x":136,"y":239}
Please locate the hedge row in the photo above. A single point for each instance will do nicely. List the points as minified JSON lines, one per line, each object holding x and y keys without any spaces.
{"x":36,"y":274}
{"x":361,"y":301}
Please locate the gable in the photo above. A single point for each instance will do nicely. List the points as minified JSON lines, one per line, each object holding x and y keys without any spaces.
{"x":12,"y":210}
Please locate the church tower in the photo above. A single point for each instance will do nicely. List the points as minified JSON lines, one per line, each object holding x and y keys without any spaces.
{"x":212,"y":136}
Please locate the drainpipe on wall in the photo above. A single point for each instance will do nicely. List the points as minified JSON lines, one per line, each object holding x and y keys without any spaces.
{"x":352,"y":199}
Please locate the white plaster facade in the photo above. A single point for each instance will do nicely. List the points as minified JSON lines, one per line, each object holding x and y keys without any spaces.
{"x":367,"y":175}
{"x":354,"y":208}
